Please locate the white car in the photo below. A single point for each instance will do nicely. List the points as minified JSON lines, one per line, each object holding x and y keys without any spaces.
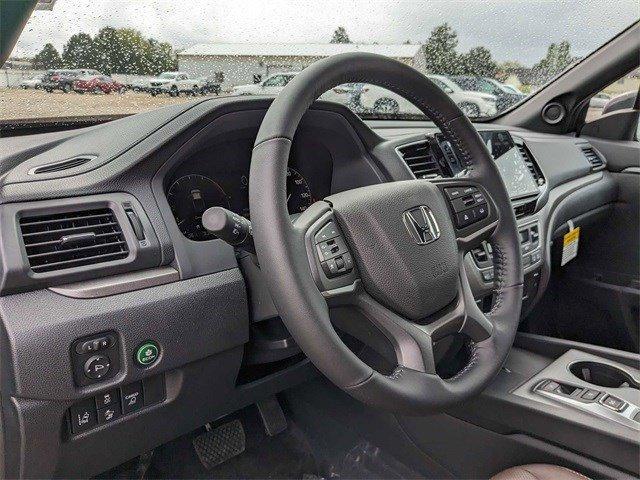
{"x":473,"y":104}
{"x":275,"y":83}
{"x":174,"y":83}
{"x":272,"y":85}
{"x":34,"y":82}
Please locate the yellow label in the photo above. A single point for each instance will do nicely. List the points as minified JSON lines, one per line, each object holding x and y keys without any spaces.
{"x":572,"y":236}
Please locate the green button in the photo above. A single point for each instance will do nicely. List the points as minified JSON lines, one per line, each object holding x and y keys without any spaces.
{"x":147,"y":353}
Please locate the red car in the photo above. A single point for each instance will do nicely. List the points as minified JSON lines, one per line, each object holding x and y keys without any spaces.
{"x":97,"y":84}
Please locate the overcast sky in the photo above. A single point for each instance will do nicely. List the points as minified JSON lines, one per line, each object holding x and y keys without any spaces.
{"x":512,"y":30}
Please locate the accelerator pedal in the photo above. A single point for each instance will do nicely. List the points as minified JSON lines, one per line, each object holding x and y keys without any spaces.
{"x":272,"y":416}
{"x":220,"y":444}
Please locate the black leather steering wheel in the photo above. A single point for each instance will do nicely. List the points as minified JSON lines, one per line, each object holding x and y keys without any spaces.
{"x":408,"y":280}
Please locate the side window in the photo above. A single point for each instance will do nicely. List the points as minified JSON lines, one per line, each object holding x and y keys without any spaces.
{"x":620,"y":95}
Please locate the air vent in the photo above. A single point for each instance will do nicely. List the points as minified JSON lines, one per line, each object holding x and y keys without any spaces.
{"x":592,"y":156}
{"x":531,"y":163}
{"x":419,"y":159}
{"x":74,"y":239}
{"x":60,"y":166}
{"x":525,"y":209}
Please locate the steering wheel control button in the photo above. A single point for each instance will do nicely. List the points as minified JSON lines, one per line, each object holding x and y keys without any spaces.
{"x":331,"y":248}
{"x":464,"y":219}
{"x":97,"y":367}
{"x":132,"y":398}
{"x":614,"y":403}
{"x":109,"y":414}
{"x":327,"y":232}
{"x":147,"y":354}
{"x":112,"y":397}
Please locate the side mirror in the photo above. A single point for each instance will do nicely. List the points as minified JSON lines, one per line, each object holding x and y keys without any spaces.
{"x":617,"y":125}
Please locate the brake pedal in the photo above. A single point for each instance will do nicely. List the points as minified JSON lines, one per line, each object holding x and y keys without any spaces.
{"x":220,"y":444}
{"x":272,"y":416}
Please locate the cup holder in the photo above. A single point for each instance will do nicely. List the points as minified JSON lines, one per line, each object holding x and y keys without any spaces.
{"x":602,"y":375}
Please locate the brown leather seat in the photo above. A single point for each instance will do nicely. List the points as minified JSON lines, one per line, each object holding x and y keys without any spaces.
{"x":539,"y":471}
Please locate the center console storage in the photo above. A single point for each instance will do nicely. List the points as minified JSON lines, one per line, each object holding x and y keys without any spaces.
{"x":571,"y":397}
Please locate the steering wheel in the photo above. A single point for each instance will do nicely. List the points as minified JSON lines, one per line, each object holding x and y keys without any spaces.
{"x":388,"y":256}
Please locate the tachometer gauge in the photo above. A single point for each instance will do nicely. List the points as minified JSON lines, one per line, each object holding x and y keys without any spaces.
{"x":299,"y":196}
{"x":189,"y":197}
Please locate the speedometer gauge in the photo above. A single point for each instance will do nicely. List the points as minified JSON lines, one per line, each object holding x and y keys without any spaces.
{"x":189,"y":197}
{"x":299,"y":196}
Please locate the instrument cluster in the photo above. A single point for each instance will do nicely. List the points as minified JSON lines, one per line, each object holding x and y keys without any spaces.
{"x":219,"y":176}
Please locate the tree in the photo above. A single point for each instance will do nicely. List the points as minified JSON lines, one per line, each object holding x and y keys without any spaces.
{"x":119,"y":50}
{"x":340,"y":36}
{"x":78,"y":51}
{"x":47,"y":58}
{"x":557,"y":59}
{"x":440,"y":51}
{"x":479,"y":62}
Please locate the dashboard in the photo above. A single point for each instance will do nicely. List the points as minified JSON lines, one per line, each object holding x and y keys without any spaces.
{"x":153,"y":275}
{"x":218,"y":176}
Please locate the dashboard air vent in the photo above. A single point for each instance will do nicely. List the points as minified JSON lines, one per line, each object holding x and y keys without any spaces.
{"x":60,"y":166}
{"x":420,"y":160}
{"x":525,"y":209}
{"x":592,"y":156}
{"x":531,"y":163}
{"x":73,"y":239}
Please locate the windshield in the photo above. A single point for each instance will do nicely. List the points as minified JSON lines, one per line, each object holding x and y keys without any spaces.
{"x":488,"y":56}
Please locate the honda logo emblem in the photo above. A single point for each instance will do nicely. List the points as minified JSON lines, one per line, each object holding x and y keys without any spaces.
{"x":421,"y":225}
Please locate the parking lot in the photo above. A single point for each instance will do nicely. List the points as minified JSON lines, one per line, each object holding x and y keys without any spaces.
{"x":16,"y":103}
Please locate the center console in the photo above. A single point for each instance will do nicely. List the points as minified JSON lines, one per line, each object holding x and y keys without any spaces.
{"x":525,"y":184}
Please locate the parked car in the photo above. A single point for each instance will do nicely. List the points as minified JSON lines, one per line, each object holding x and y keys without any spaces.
{"x":272,"y":85}
{"x":63,"y":79}
{"x":347,"y":94}
{"x":97,"y":84}
{"x":34,"y":82}
{"x":473,"y":104}
{"x":210,"y":85}
{"x":139,"y":85}
{"x":505,"y":97}
{"x":174,"y":83}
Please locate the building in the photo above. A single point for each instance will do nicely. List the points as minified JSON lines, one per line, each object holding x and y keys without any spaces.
{"x":241,"y":63}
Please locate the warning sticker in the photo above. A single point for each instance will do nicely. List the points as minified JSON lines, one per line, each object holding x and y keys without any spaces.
{"x":570,"y":245}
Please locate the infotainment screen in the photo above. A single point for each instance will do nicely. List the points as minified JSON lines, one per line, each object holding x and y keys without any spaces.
{"x":514,"y":171}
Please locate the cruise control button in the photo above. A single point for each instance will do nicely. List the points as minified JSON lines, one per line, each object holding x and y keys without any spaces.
{"x":106,"y":415}
{"x":83,"y":416}
{"x":480,"y":212}
{"x":487,"y":275}
{"x":132,"y":397}
{"x":348,"y":262}
{"x":97,"y":367}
